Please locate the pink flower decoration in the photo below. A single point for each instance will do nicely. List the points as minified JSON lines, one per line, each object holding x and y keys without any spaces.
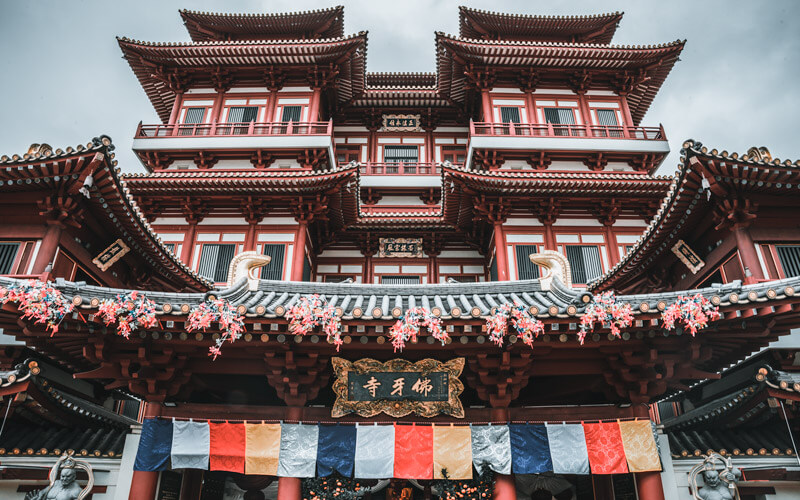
{"x":693,"y":312}
{"x":220,"y":310}
{"x":407,"y":328}
{"x":527,"y":327}
{"x":38,"y":301}
{"x":129,"y":311}
{"x":311,"y":312}
{"x":609,"y":312}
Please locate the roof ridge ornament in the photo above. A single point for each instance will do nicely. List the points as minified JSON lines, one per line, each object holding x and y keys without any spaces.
{"x":245,"y":264}
{"x":555,"y":266}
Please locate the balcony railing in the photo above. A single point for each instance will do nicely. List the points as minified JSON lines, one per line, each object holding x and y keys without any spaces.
{"x":400,"y":168}
{"x":557,"y":130}
{"x":233,"y":129}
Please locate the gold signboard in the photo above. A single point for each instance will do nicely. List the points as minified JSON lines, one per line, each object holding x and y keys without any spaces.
{"x":401,"y":123}
{"x":111,"y":254}
{"x":397,"y":387}
{"x":688,"y":257}
{"x":400,"y":247}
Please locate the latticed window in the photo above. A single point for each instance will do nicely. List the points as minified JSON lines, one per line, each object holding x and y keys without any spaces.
{"x":214,"y":261}
{"x":526,"y":270}
{"x":607,"y":117}
{"x":194,"y":115}
{"x":397,"y":154}
{"x":170,"y":247}
{"x":291,"y":113}
{"x":242,"y":114}
{"x":273,"y":270}
{"x":789,"y":255}
{"x":400,"y":280}
{"x":8,"y":254}
{"x":560,"y":116}
{"x":584,"y":262}
{"x":509,"y":114}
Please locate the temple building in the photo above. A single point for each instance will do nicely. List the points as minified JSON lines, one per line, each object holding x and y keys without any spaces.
{"x":466,"y":282}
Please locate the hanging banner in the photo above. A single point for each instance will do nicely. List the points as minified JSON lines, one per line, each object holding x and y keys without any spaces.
{"x":398,"y":387}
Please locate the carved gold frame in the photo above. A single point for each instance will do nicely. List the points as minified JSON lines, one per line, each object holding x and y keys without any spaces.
{"x":426,"y":409}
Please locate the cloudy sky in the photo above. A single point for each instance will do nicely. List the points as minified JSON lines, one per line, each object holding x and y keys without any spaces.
{"x":64,"y":80}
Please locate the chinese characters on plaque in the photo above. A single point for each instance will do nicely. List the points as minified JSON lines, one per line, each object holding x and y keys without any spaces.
{"x":111,"y":254}
{"x":398,"y":387}
{"x":400,"y":247}
{"x":401,"y":123}
{"x":688,"y":256}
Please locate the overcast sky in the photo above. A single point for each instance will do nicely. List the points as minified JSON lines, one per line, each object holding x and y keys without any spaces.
{"x":64,"y":80}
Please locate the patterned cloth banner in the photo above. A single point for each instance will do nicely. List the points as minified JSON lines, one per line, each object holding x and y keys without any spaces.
{"x":491,"y":448}
{"x":530,"y":449}
{"x":413,"y":451}
{"x":191,"y":442}
{"x":400,"y":451}
{"x":452,"y":451}
{"x":568,"y":448}
{"x":604,"y":447}
{"x":263,"y":446}
{"x":374,"y":451}
{"x":155,"y":445}
{"x":298,"y":455}
{"x":228,"y":447}
{"x":336,"y":450}
{"x":640,"y":446}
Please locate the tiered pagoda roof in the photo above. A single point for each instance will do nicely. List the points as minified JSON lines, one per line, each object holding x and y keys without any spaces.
{"x":729,"y":175}
{"x":481,"y":24}
{"x":315,"y":24}
{"x":637,"y":71}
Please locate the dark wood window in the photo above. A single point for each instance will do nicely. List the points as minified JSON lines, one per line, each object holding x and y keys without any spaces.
{"x":347,"y":154}
{"x":509,"y":114}
{"x":526,"y":270}
{"x":214,"y":261}
{"x":291,"y":113}
{"x":242,"y":114}
{"x":400,"y":280}
{"x":456,"y":155}
{"x":194,"y":115}
{"x":8,"y":255}
{"x":789,"y":255}
{"x":273,"y":270}
{"x":398,"y":154}
{"x":584,"y":262}
{"x":561,"y":118}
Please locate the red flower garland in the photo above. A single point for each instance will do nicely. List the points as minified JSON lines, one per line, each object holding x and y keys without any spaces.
{"x":38,"y":301}
{"x":407,"y":328}
{"x":220,"y":310}
{"x":131,"y":311}
{"x":311,"y":312}
{"x":606,"y":310}
{"x":694,"y":312}
{"x":527,"y":327}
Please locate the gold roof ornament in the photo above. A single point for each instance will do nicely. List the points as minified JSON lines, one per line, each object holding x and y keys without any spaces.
{"x":555,"y":265}
{"x":759,"y":154}
{"x":39,"y":149}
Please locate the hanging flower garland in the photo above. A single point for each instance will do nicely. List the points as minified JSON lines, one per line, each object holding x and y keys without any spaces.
{"x":221,"y":311}
{"x":311,"y":312}
{"x":334,"y":487}
{"x":609,"y":312}
{"x":38,"y":301}
{"x":407,"y":328}
{"x":479,"y":488}
{"x":527,"y":327}
{"x":693,"y":312}
{"x":129,"y":311}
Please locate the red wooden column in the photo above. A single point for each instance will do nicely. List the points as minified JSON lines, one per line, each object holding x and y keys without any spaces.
{"x":501,"y":254}
{"x":49,"y":246}
{"x":144,"y":483}
{"x":626,"y":111}
{"x":486,"y":104}
{"x":747,"y":251}
{"x":298,"y":259}
{"x":176,"y":108}
{"x":504,"y":486}
{"x":290,"y":488}
{"x":583,"y":103}
{"x":188,"y":242}
{"x":313,"y":109}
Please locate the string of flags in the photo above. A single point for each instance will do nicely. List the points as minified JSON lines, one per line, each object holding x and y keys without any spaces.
{"x":400,"y":451}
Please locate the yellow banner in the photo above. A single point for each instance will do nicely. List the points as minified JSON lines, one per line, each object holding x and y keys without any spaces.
{"x":262,"y":449}
{"x":640,"y":446}
{"x":452,"y":450}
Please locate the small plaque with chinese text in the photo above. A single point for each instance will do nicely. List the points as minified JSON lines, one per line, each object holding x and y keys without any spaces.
{"x":400,"y":247}
{"x":111,"y":254}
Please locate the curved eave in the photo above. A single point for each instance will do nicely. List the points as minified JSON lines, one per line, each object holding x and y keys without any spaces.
{"x":686,"y":192}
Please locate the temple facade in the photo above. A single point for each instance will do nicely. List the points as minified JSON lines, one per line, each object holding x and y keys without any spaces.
{"x":472,"y":274}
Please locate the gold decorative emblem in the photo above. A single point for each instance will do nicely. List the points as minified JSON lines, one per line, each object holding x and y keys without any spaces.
{"x":688,"y":256}
{"x":110,"y":255}
{"x":397,"y":387}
